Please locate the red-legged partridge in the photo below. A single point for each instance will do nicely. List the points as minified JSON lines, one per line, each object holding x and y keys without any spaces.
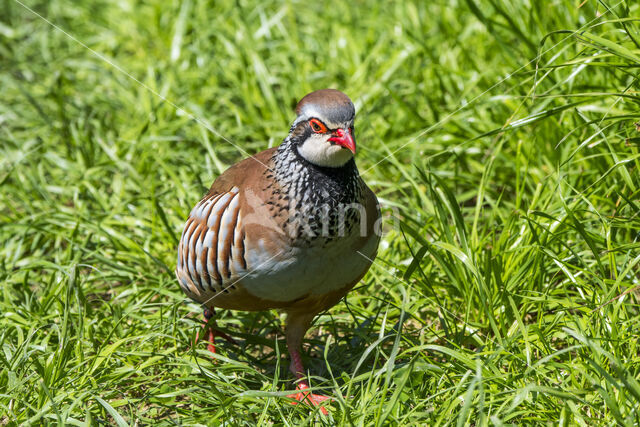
{"x":293,"y":227}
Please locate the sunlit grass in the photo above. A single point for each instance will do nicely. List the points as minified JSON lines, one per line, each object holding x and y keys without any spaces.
{"x":500,"y":137}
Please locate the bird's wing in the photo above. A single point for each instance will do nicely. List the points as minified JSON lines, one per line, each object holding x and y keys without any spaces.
{"x":212,"y":250}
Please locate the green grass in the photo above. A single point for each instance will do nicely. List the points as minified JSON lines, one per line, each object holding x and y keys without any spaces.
{"x":498,"y":135}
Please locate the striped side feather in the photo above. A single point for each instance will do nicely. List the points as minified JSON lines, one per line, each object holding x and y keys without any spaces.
{"x":211,"y":253}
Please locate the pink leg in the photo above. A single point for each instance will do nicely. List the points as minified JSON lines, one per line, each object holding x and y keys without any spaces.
{"x":212,"y":331}
{"x":298,"y":370}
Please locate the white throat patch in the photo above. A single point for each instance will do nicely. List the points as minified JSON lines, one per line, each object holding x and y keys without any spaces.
{"x":317,"y":149}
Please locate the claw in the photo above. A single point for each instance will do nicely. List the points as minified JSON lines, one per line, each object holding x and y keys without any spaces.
{"x":308,"y":397}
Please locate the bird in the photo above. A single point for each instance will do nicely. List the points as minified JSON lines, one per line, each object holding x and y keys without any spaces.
{"x":292,"y":228}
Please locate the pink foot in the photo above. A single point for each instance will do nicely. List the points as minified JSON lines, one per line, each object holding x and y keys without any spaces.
{"x":210,"y":339}
{"x":310,"y":398}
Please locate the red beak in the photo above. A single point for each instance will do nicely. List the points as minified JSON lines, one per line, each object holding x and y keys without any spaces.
{"x":343,"y":138}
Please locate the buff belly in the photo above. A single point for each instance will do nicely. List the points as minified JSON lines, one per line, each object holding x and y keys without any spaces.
{"x":309,"y":271}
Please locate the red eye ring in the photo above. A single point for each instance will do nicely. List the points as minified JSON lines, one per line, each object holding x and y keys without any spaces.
{"x":317,"y":126}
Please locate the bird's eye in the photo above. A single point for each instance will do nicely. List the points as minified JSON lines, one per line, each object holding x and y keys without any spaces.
{"x":317,"y":126}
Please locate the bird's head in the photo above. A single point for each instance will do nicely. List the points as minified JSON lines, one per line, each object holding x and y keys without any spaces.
{"x":323,"y":131}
